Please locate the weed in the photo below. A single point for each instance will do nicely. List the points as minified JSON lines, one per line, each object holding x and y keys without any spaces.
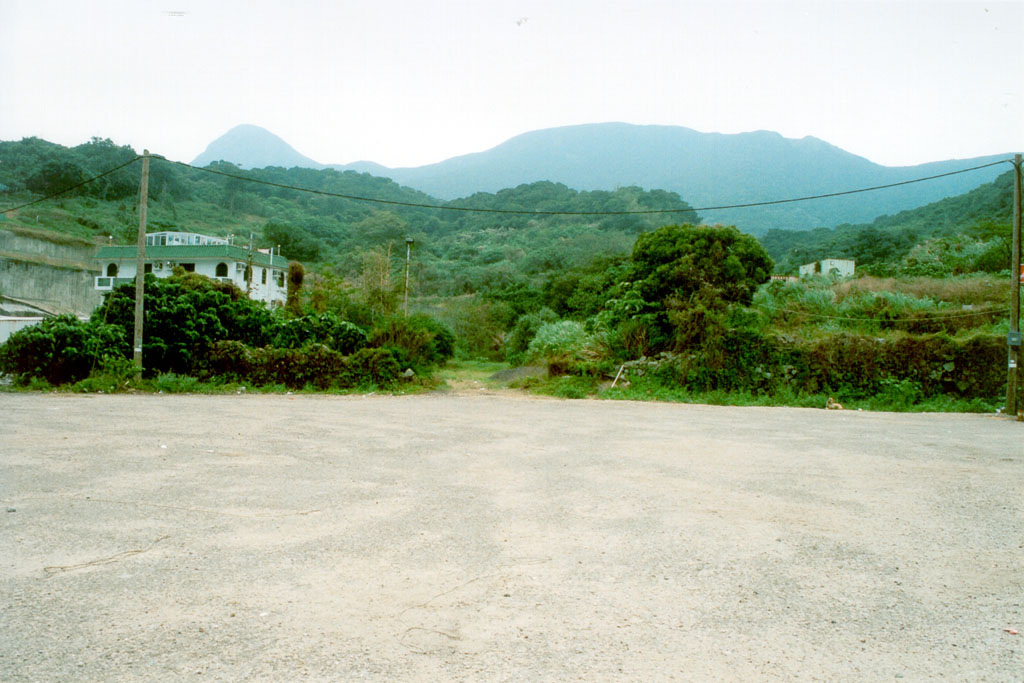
{"x":171,"y":383}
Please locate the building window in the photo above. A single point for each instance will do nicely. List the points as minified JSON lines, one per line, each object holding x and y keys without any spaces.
{"x":112,"y":270}
{"x":148,"y":268}
{"x":189,"y":267}
{"x":222,"y":270}
{"x":263,"y":277}
{"x":248,"y":273}
{"x":279,"y":276}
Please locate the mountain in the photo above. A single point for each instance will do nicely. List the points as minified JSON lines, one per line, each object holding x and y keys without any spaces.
{"x":706,"y":169}
{"x":250,"y":146}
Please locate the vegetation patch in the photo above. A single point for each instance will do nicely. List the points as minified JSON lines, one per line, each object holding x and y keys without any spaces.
{"x":675,"y":312}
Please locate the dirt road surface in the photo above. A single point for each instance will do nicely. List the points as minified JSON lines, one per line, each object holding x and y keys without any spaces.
{"x":478,"y":536}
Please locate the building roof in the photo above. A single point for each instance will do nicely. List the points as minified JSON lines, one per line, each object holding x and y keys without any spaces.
{"x":226,"y":252}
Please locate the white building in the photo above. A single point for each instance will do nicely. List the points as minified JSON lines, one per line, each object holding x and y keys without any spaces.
{"x":831,"y":266}
{"x":260,"y":271}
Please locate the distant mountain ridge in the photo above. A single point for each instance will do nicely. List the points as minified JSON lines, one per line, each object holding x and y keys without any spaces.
{"x":250,"y":146}
{"x":706,"y":169}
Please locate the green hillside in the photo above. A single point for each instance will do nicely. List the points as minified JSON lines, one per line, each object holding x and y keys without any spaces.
{"x":456,"y":252}
{"x":961,"y":234}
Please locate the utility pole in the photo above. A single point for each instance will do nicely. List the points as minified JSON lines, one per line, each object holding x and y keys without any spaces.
{"x":140,"y":266}
{"x":1013,"y":338}
{"x":408,"y":251}
{"x":248,"y":269}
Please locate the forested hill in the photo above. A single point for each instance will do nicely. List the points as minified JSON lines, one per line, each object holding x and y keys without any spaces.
{"x":965,"y":233}
{"x":457,"y":251}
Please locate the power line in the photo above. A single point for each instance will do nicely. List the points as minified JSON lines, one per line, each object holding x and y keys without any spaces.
{"x":580,"y":213}
{"x":847,"y":192}
{"x":417,"y":205}
{"x":72,"y":187}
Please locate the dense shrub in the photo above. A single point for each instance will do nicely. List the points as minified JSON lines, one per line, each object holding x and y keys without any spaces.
{"x":371,"y":366}
{"x":523,"y":332}
{"x":418,"y":341}
{"x":560,"y":345}
{"x":852,"y":365}
{"x":61,"y":349}
{"x":183,"y":316}
{"x":323,"y":328}
{"x":311,"y":366}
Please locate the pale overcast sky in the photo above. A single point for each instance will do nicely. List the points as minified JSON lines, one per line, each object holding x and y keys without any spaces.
{"x":404,"y":82}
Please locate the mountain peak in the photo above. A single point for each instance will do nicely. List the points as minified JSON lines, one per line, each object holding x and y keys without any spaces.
{"x":250,"y":146}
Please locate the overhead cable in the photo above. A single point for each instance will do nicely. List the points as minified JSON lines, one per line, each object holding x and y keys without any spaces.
{"x":526,"y":212}
{"x":579,"y":213}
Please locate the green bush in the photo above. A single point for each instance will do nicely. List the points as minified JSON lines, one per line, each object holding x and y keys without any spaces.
{"x":60,"y":350}
{"x":170,"y":383}
{"x":902,"y":370}
{"x":899,"y":394}
{"x":419,"y":341}
{"x":183,"y":316}
{"x":559,"y":344}
{"x":523,"y":332}
{"x":323,"y":328}
{"x":311,"y":366}
{"x":228,"y":360}
{"x":114,"y":374}
{"x":569,"y":386}
{"x":371,"y":366}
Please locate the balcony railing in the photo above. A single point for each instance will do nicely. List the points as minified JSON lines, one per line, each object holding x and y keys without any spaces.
{"x":105,"y":282}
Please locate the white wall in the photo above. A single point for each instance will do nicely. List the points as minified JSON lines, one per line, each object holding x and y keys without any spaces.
{"x":268,"y":293}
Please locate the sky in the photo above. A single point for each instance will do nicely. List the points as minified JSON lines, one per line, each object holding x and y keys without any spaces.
{"x":411,"y":82}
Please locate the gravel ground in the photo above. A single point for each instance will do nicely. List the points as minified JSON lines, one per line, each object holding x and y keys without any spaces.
{"x":482,"y":536}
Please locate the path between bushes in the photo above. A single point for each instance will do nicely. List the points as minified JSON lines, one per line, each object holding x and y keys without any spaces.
{"x":479,"y":536}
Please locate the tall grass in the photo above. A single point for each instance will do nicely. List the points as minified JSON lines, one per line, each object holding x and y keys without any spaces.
{"x":902,"y":397}
{"x":963,"y":290}
{"x":877,"y":305}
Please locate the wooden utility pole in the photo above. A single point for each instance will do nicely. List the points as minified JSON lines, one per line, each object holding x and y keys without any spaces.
{"x":140,"y":266}
{"x":248,"y":269}
{"x":1013,"y":340}
{"x":408,"y":251}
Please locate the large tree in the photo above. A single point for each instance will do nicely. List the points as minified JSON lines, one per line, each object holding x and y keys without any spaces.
{"x":57,"y":176}
{"x":679,"y":261}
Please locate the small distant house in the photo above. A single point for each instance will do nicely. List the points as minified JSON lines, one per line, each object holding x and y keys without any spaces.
{"x":838,"y":267}
{"x":261,"y":272}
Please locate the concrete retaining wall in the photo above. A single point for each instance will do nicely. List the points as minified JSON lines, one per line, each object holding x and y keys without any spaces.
{"x":57,"y":277}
